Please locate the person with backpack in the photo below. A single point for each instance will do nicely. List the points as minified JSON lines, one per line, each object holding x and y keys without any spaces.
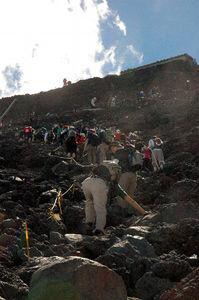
{"x":45,"y":134}
{"x":155,"y":144}
{"x":104,"y":178}
{"x":130,"y":161}
{"x":80,"y":138}
{"x":147,"y":165}
{"x":71,"y":146}
{"x":103,"y":147}
{"x":93,"y":102}
{"x":91,"y":143}
{"x":28,"y":133}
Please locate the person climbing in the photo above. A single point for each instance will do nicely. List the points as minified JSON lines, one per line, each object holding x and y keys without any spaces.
{"x":93,"y":102}
{"x":45,"y":133}
{"x":140,"y":98}
{"x":113,"y":102}
{"x":147,"y":165}
{"x":103,"y":146}
{"x":59,"y":130}
{"x":124,"y":157}
{"x":91,"y":143}
{"x":28,"y":133}
{"x":155,"y":145}
{"x":104,"y":178}
{"x":117,"y":135}
{"x":54,"y":132}
{"x":71,"y":146}
{"x":80,"y":139}
{"x":64,"y":82}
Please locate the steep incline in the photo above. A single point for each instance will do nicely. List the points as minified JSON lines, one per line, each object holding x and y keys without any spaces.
{"x":169,"y":79}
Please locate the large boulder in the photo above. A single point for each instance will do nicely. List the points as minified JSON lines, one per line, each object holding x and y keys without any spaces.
{"x":149,"y":286}
{"x":172,"y":266}
{"x":76,"y":279}
{"x":181,"y":189}
{"x":182,"y":237}
{"x":132,"y":246}
{"x":186,"y":289}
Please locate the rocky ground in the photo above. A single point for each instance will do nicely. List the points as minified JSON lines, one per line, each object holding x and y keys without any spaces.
{"x":146,"y":258}
{"x":156,"y":256}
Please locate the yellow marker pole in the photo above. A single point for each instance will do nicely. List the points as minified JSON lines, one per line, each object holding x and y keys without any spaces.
{"x":71,"y":160}
{"x":73,"y":193}
{"x":61,"y":196}
{"x":59,"y":204}
{"x":27,"y":243}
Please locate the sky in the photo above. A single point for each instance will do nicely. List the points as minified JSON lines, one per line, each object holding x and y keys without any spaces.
{"x":44,"y":41}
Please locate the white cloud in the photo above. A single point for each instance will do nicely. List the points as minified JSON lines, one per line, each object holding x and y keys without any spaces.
{"x":49,"y":40}
{"x":120,"y":24}
{"x":137,"y":54}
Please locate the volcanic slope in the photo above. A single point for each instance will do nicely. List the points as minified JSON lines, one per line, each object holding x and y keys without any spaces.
{"x":153,"y":254}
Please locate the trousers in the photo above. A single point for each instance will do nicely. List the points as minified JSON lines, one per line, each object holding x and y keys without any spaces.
{"x":95,"y":191}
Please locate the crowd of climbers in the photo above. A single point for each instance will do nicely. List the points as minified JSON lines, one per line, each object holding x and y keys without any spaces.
{"x":115,"y":156}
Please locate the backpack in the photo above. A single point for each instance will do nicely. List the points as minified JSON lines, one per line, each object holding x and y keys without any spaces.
{"x":108,"y":170}
{"x":71,"y":133}
{"x":136,"y":160}
{"x":108,"y":135}
{"x":102,"y":136}
{"x":94,"y":140}
{"x":129,"y":158}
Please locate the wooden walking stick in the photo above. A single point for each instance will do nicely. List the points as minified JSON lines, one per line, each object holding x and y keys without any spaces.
{"x":135,"y":205}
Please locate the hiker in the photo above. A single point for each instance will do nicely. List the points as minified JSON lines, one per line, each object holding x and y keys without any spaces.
{"x":117,"y":135}
{"x":124,"y":157}
{"x":140,"y":96}
{"x":28,"y":133}
{"x":188,"y":84}
{"x":155,"y":145}
{"x":45,"y":133}
{"x":64,"y":133}
{"x":96,"y":187}
{"x":103,"y":146}
{"x":64,"y":82}
{"x":71,"y":146}
{"x":109,"y":135}
{"x":59,"y":130}
{"x":93,"y":102}
{"x":80,"y":139}
{"x":146,"y":159}
{"x":123,"y":139}
{"x":113,"y":101}
{"x":54,"y":132}
{"x":91,"y":143}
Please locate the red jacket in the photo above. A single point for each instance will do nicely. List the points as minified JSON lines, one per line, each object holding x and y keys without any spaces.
{"x":27,"y":129}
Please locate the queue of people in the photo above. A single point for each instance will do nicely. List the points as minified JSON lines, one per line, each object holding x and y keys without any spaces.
{"x":115,"y":158}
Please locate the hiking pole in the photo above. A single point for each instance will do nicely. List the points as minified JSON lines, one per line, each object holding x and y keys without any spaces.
{"x":135,"y":205}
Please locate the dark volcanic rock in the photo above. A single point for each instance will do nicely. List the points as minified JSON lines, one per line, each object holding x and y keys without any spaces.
{"x":171,"y":266}
{"x":132,"y":246}
{"x":182,"y":237}
{"x":76,"y":278}
{"x":149,"y":286}
{"x":187,"y":289}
